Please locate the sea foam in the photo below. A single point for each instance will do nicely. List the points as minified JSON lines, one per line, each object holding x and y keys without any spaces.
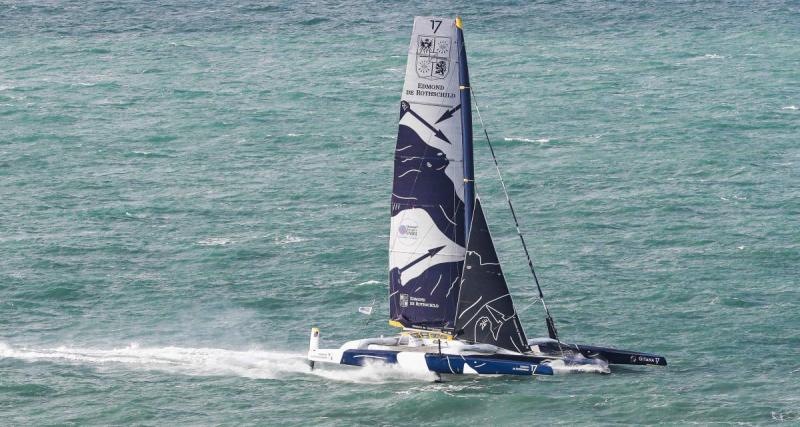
{"x":257,"y":364}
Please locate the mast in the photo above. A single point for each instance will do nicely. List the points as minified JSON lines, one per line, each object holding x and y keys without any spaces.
{"x":466,"y":130}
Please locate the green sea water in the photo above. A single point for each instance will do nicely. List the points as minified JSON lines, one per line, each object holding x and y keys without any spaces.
{"x":187,"y":188}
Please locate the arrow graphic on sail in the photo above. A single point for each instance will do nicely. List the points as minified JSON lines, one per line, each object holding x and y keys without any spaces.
{"x":449,"y":113}
{"x":395,"y":273}
{"x":431,"y":253}
{"x":405,"y":107}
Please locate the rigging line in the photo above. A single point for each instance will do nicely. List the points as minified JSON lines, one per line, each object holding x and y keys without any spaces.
{"x":550,"y":322}
{"x":534,"y":301}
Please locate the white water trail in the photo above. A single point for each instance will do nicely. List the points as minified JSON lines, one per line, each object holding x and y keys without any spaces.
{"x":520,"y":139}
{"x":257,"y":364}
{"x":559,"y":367}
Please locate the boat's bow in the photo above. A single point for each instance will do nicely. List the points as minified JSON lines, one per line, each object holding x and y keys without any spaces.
{"x":610,"y":355}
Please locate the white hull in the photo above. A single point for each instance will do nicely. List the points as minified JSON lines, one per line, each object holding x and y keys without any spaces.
{"x":432,"y":355}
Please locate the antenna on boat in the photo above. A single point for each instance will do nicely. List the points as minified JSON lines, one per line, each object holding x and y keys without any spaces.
{"x":551,"y":325}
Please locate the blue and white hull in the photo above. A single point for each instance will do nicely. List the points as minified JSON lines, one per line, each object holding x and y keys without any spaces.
{"x":425,"y":355}
{"x":441,"y":363}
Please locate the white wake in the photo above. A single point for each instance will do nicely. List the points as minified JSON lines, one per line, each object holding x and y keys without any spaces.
{"x":559,"y":367}
{"x":257,"y":364}
{"x":520,"y":139}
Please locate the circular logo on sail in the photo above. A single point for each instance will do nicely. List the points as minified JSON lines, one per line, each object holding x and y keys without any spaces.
{"x":407,"y":231}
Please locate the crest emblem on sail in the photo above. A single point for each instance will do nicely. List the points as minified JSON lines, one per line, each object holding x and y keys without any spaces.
{"x":433,"y":56}
{"x":426,"y":243}
{"x":486,"y":313}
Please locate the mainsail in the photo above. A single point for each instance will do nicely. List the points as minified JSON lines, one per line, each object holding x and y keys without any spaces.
{"x":486,"y":313}
{"x":427,"y":237}
{"x":434,"y":281}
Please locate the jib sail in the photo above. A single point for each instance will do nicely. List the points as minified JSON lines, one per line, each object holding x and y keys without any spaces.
{"x":486,"y":313}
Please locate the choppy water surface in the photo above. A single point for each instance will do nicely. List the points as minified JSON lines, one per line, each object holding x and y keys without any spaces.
{"x":187,"y":188}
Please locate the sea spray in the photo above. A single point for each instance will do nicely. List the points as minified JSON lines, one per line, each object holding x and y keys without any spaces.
{"x":256,"y":364}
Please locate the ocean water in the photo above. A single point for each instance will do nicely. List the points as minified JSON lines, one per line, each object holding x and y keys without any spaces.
{"x":187,"y":188}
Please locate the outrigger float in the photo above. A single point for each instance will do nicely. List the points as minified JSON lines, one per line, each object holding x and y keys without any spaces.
{"x":446,"y":287}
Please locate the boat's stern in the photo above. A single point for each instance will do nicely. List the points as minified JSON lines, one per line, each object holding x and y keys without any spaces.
{"x":316,"y":354}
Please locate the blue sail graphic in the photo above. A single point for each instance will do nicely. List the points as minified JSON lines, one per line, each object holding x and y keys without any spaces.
{"x":427,"y":236}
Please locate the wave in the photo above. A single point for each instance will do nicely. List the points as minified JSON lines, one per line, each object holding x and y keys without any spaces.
{"x":289,"y":239}
{"x":314,"y":21}
{"x":568,"y":368}
{"x":369,"y":282}
{"x":514,"y":139}
{"x":144,"y":153}
{"x":256,"y":364}
{"x":214,"y":241}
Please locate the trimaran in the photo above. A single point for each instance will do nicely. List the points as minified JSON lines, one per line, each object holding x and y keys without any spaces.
{"x":446,"y":288}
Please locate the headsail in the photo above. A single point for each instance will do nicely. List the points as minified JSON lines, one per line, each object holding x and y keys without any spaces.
{"x":486,"y":313}
{"x":426,"y":243}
